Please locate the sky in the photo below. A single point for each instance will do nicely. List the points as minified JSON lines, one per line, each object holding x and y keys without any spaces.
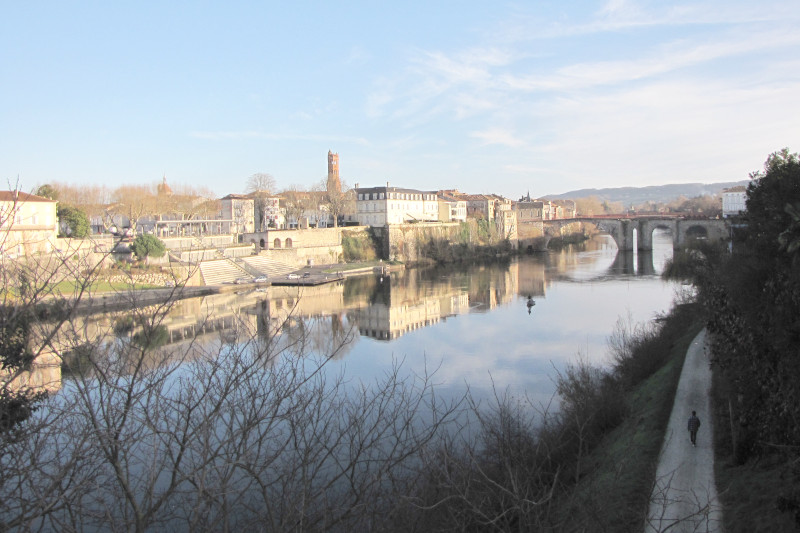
{"x":484,"y":97}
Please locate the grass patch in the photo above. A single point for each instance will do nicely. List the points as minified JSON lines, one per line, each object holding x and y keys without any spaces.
{"x":614,"y":492}
{"x":69,"y":287}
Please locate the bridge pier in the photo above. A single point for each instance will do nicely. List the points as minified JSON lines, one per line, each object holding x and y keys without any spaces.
{"x":683,"y":230}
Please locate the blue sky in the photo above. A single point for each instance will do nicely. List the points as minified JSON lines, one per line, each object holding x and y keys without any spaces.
{"x":504,"y":97}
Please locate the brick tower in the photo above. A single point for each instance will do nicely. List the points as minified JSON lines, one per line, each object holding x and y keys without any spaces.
{"x":334,"y":183}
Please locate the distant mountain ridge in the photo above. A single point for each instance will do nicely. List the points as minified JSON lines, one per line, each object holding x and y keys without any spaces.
{"x":651,"y":193}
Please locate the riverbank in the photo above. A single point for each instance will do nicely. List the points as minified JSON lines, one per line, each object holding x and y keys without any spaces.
{"x":613,"y":492}
{"x":307,"y":276}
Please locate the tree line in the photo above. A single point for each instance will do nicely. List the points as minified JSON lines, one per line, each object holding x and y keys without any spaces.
{"x":751,"y":294}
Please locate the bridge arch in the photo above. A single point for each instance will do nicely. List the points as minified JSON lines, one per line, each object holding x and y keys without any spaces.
{"x":622,"y":230}
{"x":648,"y":226}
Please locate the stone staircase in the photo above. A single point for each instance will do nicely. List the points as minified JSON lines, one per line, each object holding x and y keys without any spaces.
{"x":219,"y":271}
{"x":267,"y":267}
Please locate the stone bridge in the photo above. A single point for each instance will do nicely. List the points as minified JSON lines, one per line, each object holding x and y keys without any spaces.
{"x":627,"y":231}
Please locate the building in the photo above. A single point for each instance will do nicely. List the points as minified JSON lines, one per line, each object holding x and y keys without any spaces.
{"x":267,"y":211}
{"x":734,"y":201}
{"x":29,"y":224}
{"x":566,"y":208}
{"x":480,"y":206}
{"x":383,"y":206}
{"x":529,"y":210}
{"x":273,"y":214}
{"x":505,"y":221}
{"x":334,"y":183}
{"x":452,"y":208}
{"x":163,"y":189}
{"x":237,"y":212}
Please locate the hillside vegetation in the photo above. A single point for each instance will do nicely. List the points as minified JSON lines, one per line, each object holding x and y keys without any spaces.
{"x":752,"y":296}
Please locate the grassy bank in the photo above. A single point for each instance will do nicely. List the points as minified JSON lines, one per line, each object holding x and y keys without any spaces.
{"x":614,"y":492}
{"x":587,"y":466}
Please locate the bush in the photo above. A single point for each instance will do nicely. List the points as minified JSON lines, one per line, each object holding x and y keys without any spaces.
{"x":73,"y":222}
{"x":357,"y":247}
{"x":145,"y":246}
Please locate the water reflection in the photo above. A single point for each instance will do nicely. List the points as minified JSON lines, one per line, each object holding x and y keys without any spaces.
{"x":477,"y":324}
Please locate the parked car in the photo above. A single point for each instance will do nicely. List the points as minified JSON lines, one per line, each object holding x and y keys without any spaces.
{"x":293,"y":276}
{"x":260,"y":279}
{"x":240,"y":281}
{"x":307,"y":274}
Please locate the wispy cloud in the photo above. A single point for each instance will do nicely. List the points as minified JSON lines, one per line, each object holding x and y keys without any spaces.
{"x":669,"y":57}
{"x":245,"y":135}
{"x":498,"y":136}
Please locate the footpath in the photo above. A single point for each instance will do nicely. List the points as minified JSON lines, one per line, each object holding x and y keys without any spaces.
{"x":684,"y":497}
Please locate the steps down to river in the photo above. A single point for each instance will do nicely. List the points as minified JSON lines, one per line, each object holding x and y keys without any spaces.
{"x":268,"y":267}
{"x":219,"y":271}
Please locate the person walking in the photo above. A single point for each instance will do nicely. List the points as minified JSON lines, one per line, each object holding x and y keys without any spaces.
{"x":694,"y":425}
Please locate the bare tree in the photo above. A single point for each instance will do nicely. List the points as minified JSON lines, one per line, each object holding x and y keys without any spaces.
{"x":241,"y":434}
{"x":40,"y":293}
{"x":261,"y":186}
{"x":130,"y":203}
{"x":340,"y":200}
{"x":294,"y":203}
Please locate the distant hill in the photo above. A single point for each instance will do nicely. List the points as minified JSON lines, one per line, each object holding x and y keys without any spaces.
{"x":653,"y":193}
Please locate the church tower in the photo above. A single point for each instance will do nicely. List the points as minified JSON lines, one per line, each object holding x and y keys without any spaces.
{"x":163,"y":189}
{"x":334,"y":183}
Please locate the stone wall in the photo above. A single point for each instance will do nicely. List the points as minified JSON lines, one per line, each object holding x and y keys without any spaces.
{"x":188,"y":275}
{"x":400,"y":242}
{"x":300,"y":246}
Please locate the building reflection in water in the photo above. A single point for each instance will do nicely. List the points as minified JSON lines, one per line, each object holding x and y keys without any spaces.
{"x":412,"y":299}
{"x":323,"y":319}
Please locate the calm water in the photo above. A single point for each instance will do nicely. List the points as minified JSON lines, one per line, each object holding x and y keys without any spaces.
{"x":480,"y":331}
{"x":512,"y":325}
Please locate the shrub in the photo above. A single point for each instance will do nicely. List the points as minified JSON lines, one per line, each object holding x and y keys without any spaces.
{"x":145,"y":246}
{"x":357,"y":247}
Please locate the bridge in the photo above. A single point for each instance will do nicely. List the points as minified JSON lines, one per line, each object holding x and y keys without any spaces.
{"x":630,"y":230}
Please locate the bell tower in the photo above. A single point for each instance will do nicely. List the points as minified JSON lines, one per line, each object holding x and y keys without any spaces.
{"x":334,"y":183}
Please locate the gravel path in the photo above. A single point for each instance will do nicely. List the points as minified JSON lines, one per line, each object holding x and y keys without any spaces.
{"x":684,"y":498}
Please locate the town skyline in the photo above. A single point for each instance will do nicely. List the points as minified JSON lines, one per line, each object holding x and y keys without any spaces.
{"x":500,"y":98}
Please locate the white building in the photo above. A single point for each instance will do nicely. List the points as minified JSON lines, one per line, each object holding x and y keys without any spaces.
{"x":382,"y":206}
{"x":452,"y":208}
{"x":237,"y":212}
{"x":28,"y":224}
{"x":734,"y":201}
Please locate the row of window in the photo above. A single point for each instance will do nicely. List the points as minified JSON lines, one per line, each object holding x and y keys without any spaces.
{"x":431,"y":208}
{"x":396,"y":196}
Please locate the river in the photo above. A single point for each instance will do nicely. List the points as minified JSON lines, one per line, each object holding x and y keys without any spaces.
{"x":475,"y":326}
{"x":511,"y":326}
{"x":203,"y":421}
